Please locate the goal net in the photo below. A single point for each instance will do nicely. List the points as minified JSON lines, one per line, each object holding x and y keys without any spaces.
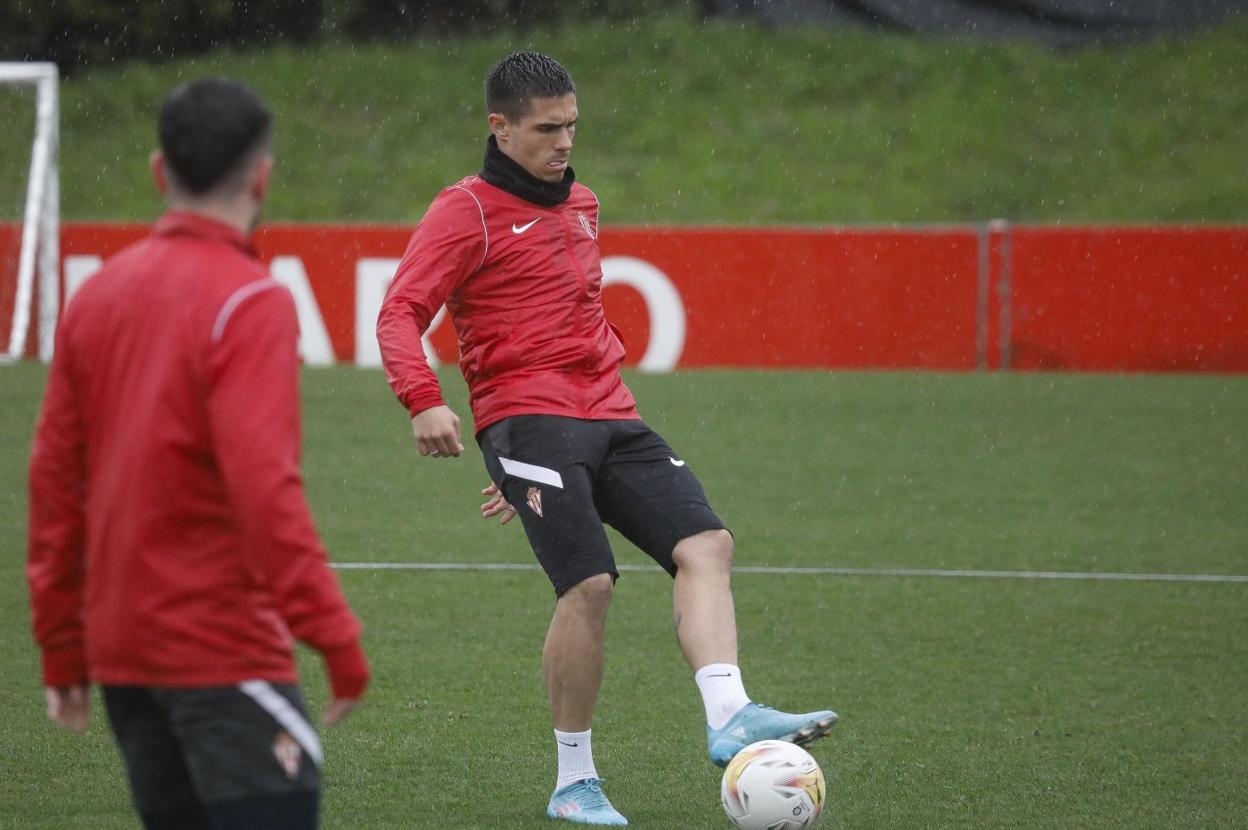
{"x":29,"y":210}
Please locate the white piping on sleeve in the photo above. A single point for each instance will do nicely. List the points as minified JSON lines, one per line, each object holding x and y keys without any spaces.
{"x":484,"y":229}
{"x":235,"y":300}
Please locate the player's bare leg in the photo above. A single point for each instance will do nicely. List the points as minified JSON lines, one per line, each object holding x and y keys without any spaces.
{"x":572,"y":658}
{"x":703,"y":612}
{"x":706,"y":627}
{"x":572,"y":662}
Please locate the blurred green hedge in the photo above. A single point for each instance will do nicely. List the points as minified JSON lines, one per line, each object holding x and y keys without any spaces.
{"x":76,"y":33}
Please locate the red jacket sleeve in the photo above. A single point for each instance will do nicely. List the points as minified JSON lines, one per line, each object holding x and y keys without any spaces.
{"x":448,"y":245}
{"x":56,"y":545}
{"x":253,"y":411}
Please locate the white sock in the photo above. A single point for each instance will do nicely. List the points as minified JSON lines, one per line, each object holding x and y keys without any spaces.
{"x":576,"y":757}
{"x":723,"y":693}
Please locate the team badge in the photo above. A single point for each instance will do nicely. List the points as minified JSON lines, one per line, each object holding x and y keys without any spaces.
{"x":585,"y":224}
{"x":288,"y":754}
{"x":534,"y":499}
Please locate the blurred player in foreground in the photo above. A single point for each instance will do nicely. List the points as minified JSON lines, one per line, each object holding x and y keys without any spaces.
{"x":172,"y":555}
{"x":513,"y":254}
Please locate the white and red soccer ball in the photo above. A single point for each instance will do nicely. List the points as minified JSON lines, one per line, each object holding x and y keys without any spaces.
{"x":773,"y":785}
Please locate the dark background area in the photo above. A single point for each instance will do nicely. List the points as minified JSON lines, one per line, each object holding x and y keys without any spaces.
{"x":1053,"y":22}
{"x":75,"y":33}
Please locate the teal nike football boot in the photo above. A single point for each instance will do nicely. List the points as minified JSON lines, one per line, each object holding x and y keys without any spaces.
{"x":762,"y":723}
{"x":584,"y":802}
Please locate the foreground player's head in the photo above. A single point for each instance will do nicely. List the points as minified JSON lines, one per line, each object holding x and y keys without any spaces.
{"x":531,"y":102}
{"x":214,"y":147}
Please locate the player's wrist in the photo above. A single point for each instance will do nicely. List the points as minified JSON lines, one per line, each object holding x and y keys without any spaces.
{"x":422,"y":403}
{"x":65,"y":666}
{"x":347,"y":668}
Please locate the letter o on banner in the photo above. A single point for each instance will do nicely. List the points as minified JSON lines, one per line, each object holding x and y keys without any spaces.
{"x":663,"y":303}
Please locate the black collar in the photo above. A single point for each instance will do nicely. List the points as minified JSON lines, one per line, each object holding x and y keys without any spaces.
{"x":503,"y":173}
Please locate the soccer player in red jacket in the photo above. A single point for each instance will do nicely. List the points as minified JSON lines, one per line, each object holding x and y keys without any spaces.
{"x":513,"y":254}
{"x":172,"y":557}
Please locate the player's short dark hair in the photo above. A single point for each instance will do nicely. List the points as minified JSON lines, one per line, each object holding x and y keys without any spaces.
{"x":517,"y":79}
{"x":209,"y":128}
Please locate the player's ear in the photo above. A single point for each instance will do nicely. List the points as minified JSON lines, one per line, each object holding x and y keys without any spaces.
{"x":499,"y":125}
{"x":261,"y":174}
{"x":157,"y":163}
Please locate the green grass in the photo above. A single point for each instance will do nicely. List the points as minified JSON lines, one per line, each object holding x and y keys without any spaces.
{"x":724,"y":122}
{"x":964,"y":702}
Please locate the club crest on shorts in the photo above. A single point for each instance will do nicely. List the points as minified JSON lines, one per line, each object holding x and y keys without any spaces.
{"x":534,"y":498}
{"x":288,"y":754}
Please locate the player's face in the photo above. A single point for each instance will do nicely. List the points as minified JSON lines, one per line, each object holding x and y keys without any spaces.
{"x":541,"y":140}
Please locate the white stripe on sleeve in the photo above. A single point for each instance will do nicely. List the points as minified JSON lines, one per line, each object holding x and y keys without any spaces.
{"x":484,"y":229}
{"x":235,"y":300}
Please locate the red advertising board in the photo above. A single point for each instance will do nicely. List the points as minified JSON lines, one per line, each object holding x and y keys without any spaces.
{"x":947,"y":298}
{"x":1119,"y":299}
{"x":851,"y":298}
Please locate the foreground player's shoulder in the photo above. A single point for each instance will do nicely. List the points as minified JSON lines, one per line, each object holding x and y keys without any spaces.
{"x":235,"y":271}
{"x":260,"y":302}
{"x":109,"y":279}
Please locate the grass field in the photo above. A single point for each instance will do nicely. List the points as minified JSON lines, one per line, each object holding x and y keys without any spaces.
{"x":725,"y":122}
{"x":965,"y":702}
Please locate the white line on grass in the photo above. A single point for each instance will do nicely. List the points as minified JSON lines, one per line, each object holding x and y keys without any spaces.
{"x":903,"y":572}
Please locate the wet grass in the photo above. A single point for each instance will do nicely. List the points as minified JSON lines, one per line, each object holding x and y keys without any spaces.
{"x":964,"y":702}
{"x":724,"y":122}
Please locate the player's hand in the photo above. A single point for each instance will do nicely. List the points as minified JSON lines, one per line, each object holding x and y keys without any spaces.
{"x":69,"y":706}
{"x":497,"y":506}
{"x":436,"y":430}
{"x":348,"y":672}
{"x":339,"y":708}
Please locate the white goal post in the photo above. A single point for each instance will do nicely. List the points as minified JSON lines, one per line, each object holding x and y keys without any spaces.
{"x":40,"y":242}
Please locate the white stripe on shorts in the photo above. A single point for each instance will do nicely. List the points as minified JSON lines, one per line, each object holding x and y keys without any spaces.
{"x":271,"y":701}
{"x":532,"y":472}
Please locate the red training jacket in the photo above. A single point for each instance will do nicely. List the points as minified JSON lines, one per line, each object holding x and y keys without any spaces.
{"x":170,"y":540}
{"x":523,"y":285}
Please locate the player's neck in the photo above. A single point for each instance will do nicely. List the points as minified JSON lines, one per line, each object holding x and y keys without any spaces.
{"x":239,"y":214}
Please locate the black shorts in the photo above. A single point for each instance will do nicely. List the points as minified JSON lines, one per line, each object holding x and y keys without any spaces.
{"x":213,"y":745}
{"x":567,"y":476}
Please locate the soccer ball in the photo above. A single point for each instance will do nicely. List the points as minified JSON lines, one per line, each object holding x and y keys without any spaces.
{"x":773,"y":785}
